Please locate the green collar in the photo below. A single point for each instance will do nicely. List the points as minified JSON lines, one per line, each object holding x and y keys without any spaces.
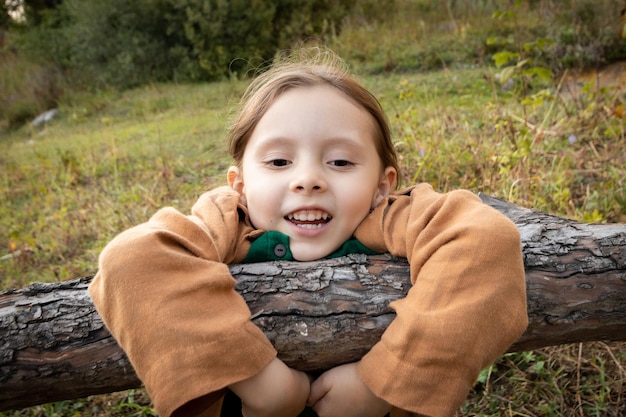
{"x":274,"y":246}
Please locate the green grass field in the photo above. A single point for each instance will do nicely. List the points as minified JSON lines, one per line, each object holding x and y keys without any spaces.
{"x":111,"y":159}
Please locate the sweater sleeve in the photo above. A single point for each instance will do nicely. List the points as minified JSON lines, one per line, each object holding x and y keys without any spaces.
{"x":166,"y":295}
{"x":467,"y":304}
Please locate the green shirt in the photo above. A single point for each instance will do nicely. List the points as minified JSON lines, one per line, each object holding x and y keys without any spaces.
{"x":274,"y":246}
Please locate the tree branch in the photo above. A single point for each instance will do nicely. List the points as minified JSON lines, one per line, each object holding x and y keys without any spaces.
{"x":317,"y":314}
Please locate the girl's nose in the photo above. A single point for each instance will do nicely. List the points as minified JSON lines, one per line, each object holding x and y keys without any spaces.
{"x":308,"y":180}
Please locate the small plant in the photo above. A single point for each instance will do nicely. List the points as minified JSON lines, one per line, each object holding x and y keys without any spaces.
{"x":135,"y":404}
{"x":516,"y":60}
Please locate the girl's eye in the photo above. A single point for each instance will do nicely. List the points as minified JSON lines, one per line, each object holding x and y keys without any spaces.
{"x":278,"y":162}
{"x":341,"y":163}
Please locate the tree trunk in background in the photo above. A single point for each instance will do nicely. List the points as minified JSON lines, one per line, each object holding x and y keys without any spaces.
{"x":317,"y":314}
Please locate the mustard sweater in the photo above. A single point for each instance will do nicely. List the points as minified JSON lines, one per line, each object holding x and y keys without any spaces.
{"x":165,"y":293}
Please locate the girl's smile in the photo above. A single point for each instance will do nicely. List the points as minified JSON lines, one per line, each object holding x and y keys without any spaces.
{"x":309,"y":219}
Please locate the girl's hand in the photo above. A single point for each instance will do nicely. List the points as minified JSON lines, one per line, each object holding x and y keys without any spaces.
{"x":340,"y":392}
{"x":276,"y":391}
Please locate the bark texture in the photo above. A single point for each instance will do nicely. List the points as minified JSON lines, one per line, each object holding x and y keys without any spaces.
{"x":317,"y":314}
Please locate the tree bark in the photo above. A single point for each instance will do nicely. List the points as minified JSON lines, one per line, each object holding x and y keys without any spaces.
{"x":317,"y":314}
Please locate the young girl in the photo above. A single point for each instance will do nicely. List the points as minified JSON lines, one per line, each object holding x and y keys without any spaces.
{"x":314,"y":176}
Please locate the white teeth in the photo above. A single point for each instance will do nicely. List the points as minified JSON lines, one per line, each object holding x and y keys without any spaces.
{"x":308,"y":215}
{"x":310,"y":226}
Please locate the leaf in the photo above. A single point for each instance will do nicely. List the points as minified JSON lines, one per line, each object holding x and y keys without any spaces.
{"x":521,"y":63}
{"x":484,"y":375}
{"x":506,"y":74}
{"x":542,"y":43}
{"x":502,"y":15}
{"x":537,"y":367}
{"x":544,"y":74}
{"x":504,"y":57}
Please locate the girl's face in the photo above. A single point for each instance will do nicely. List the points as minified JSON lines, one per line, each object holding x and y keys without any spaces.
{"x":311,"y":170}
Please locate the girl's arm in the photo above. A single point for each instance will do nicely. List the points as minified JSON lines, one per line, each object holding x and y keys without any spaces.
{"x":341,"y":392}
{"x":165,"y":292}
{"x":467,"y":304}
{"x":276,"y":391}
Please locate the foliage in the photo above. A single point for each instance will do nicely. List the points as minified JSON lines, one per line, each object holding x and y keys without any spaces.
{"x":216,"y":33}
{"x":95,"y":44}
{"x":425,"y":35}
{"x":551,"y":154}
{"x":569,"y":380}
{"x":125,"y":44}
{"x":518,"y":66}
{"x":5,"y":19}
{"x":586,"y":33}
{"x":580,"y":33}
{"x":26,"y":89}
{"x":131,"y":403}
{"x":116,"y":43}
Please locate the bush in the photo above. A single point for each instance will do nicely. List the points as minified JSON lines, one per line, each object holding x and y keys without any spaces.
{"x":124,"y":44}
{"x":582,"y":33}
{"x":587,"y":34}
{"x":26,"y":89}
{"x":220,"y":36}
{"x":117,"y":42}
{"x":217,"y":38}
{"x":114,"y":43}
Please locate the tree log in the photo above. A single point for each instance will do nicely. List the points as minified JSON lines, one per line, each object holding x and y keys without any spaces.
{"x":317,"y":314}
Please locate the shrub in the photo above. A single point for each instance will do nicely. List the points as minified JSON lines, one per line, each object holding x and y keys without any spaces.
{"x":116,"y":43}
{"x":124,"y":44}
{"x":218,"y":38}
{"x":26,"y":89}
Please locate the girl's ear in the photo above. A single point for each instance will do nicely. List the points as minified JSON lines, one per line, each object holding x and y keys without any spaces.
{"x":235,"y":179}
{"x":385,"y":185}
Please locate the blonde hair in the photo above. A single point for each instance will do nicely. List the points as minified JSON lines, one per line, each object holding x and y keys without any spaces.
{"x":306,"y":68}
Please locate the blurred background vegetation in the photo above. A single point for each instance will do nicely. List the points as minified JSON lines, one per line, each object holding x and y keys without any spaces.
{"x":50,"y":47}
{"x":519,"y":99}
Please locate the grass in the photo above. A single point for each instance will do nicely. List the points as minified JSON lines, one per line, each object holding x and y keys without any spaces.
{"x":105,"y":165}
{"x":112,"y":158}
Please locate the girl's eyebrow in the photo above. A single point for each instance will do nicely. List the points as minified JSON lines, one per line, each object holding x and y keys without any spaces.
{"x":353,"y":145}
{"x":273,"y":142}
{"x":342,"y":141}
